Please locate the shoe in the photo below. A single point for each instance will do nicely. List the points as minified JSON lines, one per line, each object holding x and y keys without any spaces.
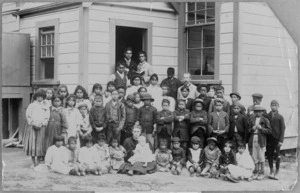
{"x":232,"y":179}
{"x":249,"y":179}
{"x":254,"y":175}
{"x":204,"y":175}
{"x":198,"y":174}
{"x":261,"y":176}
{"x":130,"y":173}
{"x":276,"y":175}
{"x":83,"y":173}
{"x":271,"y":175}
{"x":192,"y":174}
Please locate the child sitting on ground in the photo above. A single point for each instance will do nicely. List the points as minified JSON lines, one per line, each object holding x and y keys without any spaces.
{"x":117,"y":154}
{"x":163,"y":156}
{"x":142,"y":152}
{"x":102,"y":155}
{"x":227,"y":158}
{"x":195,"y":157}
{"x":211,"y":158}
{"x":77,"y":168}
{"x":178,"y":154}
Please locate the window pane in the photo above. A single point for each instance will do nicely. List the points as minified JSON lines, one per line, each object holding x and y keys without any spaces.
{"x":49,"y":51}
{"x":194,"y":37}
{"x":200,"y":5}
{"x":52,"y":38}
{"x":190,"y":6}
{"x":190,"y":18}
{"x":210,"y":15}
{"x":49,"y":68}
{"x":43,"y":51}
{"x":200,"y":16}
{"x":210,"y":5}
{"x":48,"y":39}
{"x":43,"y":40}
{"x":209,"y":36}
{"x":208,"y":61}
{"x":194,"y":62}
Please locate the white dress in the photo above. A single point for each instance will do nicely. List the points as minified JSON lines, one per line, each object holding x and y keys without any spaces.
{"x":142,"y":154}
{"x":88,"y":157}
{"x":132,"y":90}
{"x":156,"y":93}
{"x":74,"y":120}
{"x":57,"y":159}
{"x":195,"y":156}
{"x":245,"y":165}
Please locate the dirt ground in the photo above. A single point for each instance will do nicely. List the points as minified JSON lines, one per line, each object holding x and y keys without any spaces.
{"x":19,"y":177}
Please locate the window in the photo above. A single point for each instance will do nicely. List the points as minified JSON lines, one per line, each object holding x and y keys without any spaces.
{"x":200,"y":25}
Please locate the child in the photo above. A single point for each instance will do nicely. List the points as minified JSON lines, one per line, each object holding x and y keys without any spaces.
{"x":203,"y":90}
{"x":136,"y":82}
{"x":96,"y":90}
{"x":166,"y":91}
{"x":218,"y":124}
{"x":181,"y":123}
{"x":238,"y":126}
{"x":82,"y":97}
{"x":164,"y":122}
{"x":63,"y":91}
{"x":98,"y":118}
{"x":187,"y":83}
{"x":155,"y":91}
{"x":57,"y":124}
{"x":257,"y":99}
{"x":121,"y":92}
{"x":116,"y":116}
{"x":77,"y":168}
{"x":103,"y":156}
{"x":195,"y":157}
{"x":88,"y":157}
{"x":138,"y":103}
{"x":235,"y":98}
{"x":144,"y":67}
{"x":85,"y":127}
{"x":185,"y":96}
{"x":198,"y":120}
{"x":211,"y":157}
{"x":49,"y":95}
{"x":275,"y":140}
{"x":163,"y":156}
{"x":117,"y":154}
{"x":130,"y":65}
{"x":120,"y":76}
{"x":172,"y":82}
{"x":220,"y":95}
{"x":227,"y":158}
{"x":178,"y":155}
{"x":142,"y":90}
{"x":57,"y":156}
{"x":142,"y":152}
{"x":37,"y":115}
{"x":107,"y":94}
{"x":74,"y":119}
{"x":131,"y":118}
{"x":259,"y":127}
{"x":147,"y":119}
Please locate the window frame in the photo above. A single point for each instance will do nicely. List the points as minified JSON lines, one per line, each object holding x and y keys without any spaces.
{"x":38,"y":68}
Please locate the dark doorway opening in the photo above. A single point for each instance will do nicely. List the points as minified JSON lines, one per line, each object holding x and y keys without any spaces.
{"x":10,"y":112}
{"x":130,"y":37}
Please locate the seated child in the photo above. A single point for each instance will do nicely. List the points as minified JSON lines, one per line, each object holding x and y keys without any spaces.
{"x":195,"y":157}
{"x":178,"y":155}
{"x":117,"y":154}
{"x":142,"y":152}
{"x":211,"y":158}
{"x":163,"y":156}
{"x":227,"y":158}
{"x":57,"y":156}
{"x":87,"y":157}
{"x":102,"y":155}
{"x":77,"y":168}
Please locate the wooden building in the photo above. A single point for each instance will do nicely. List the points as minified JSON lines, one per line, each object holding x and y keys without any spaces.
{"x":242,"y":45}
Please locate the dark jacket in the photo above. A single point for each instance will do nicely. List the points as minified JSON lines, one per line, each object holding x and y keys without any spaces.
{"x":129,"y":144}
{"x":190,"y":157}
{"x":240,"y":123}
{"x":98,"y":117}
{"x":131,"y":116}
{"x":266,"y":130}
{"x":226,"y":107}
{"x":206,"y":100}
{"x":132,"y":67}
{"x":277,"y":125}
{"x":147,"y":118}
{"x":121,"y":113}
{"x":173,"y":84}
{"x":166,"y":122}
{"x":221,"y":121}
{"x":195,"y":121}
{"x":188,"y":103}
{"x":226,"y":159}
{"x":183,"y":125}
{"x":243,"y":110}
{"x":178,"y":155}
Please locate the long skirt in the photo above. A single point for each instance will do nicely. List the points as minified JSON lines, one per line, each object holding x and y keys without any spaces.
{"x":237,"y":171}
{"x":138,"y":168}
{"x":34,"y":141}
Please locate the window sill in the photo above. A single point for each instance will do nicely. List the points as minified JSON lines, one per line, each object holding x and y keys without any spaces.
{"x":207,"y":81}
{"x":43,"y":83}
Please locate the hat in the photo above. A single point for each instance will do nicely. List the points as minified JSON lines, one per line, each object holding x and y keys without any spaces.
{"x":237,"y":94}
{"x":219,"y":100}
{"x":275,"y":102}
{"x":212,"y":139}
{"x":82,"y":105}
{"x":130,"y":97}
{"x":198,"y":100}
{"x":147,"y":96}
{"x":176,"y":139}
{"x":195,"y":140}
{"x":237,"y":104}
{"x":219,"y":87}
{"x":258,"y":108}
{"x":257,"y":95}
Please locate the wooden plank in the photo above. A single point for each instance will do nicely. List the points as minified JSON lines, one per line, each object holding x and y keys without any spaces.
{"x":262,"y":50}
{"x":164,"y":32}
{"x":264,"y":30}
{"x":226,"y":17}
{"x":100,"y":68}
{"x":261,"y":20}
{"x":225,"y":58}
{"x":162,"y":60}
{"x":99,"y":58}
{"x":226,"y":48}
{"x":226,"y":27}
{"x":260,"y":8}
{"x":164,"y":51}
{"x":226,"y":7}
{"x":165,"y":42}
{"x":98,"y":47}
{"x":100,"y":78}
{"x":98,"y":26}
{"x":102,"y":37}
{"x":69,"y":48}
{"x":69,"y":27}
{"x":226,"y":38}
{"x":68,"y":78}
{"x":68,"y":58}
{"x":68,"y":68}
{"x":269,"y":61}
{"x":69,"y":37}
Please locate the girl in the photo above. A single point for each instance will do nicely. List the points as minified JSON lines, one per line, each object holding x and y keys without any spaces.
{"x":63,"y":91}
{"x":138,"y":103}
{"x":142,"y":90}
{"x":185,"y":96}
{"x":136,"y":82}
{"x":57,"y":157}
{"x":166,"y":90}
{"x":163,"y":156}
{"x":102,"y":155}
{"x":142,"y":152}
{"x":85,"y":128}
{"x":227,"y":158}
{"x":195,"y":157}
{"x":74,"y":119}
{"x":96,"y":90}
{"x":57,"y":124}
{"x":77,"y":168}
{"x":117,"y":154}
{"x":107,"y":94}
{"x":37,"y":115}
{"x":49,"y":95}
{"x":155,"y":90}
{"x":144,"y":66}
{"x":82,"y":97}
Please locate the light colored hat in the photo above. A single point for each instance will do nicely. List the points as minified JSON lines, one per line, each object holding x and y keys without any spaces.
{"x":258,"y":108}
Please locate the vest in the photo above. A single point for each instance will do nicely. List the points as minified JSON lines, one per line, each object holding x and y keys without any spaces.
{"x":119,"y":81}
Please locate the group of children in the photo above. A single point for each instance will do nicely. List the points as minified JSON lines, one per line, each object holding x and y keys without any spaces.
{"x":182,"y":125}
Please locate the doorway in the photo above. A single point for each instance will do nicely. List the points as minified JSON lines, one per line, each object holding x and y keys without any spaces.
{"x":10,"y":112}
{"x":130,"y":37}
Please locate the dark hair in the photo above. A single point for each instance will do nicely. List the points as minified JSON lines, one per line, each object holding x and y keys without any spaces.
{"x":39,"y":93}
{"x":96,"y":85}
{"x":55,"y":96}
{"x":134,"y":77}
{"x":164,"y":85}
{"x":219,"y":87}
{"x":101,"y":136}
{"x":85,"y":94}
{"x":88,"y":139}
{"x":120,"y":63}
{"x":143,"y":52}
{"x":201,"y":86}
{"x":154,"y":76}
{"x":228,"y":143}
{"x":63,"y":86}
{"x":110,"y":83}
{"x":69,"y":98}
{"x":98,"y":96}
{"x":122,"y":87}
{"x":127,"y":49}
{"x":241,"y":144}
{"x":114,"y":140}
{"x":171,"y":70}
{"x":72,"y":139}
{"x":185,"y":88}
{"x":58,"y":138}
{"x":142,"y":87}
{"x":165,"y":101}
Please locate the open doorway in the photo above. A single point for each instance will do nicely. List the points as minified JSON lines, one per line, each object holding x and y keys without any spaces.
{"x":130,"y":37}
{"x":10,"y":112}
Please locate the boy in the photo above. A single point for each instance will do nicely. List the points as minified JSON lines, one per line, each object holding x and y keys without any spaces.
{"x":98,"y":119}
{"x":220,"y":94}
{"x":235,"y":98}
{"x":130,"y":65}
{"x":259,"y":127}
{"x":144,"y":67}
{"x":257,"y":99}
{"x":172,"y":82}
{"x":185,"y":96}
{"x":166,"y":90}
{"x":147,"y":119}
{"x":187,"y":82}
{"x":275,"y":140}
{"x":238,"y":130}
{"x":120,"y":76}
{"x":116,"y":116}
{"x":203,"y":89}
{"x":164,"y":122}
{"x":218,"y":123}
{"x":121,"y":91}
{"x":178,"y":154}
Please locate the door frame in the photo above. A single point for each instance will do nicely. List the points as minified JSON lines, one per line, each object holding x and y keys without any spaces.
{"x":113,"y":23}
